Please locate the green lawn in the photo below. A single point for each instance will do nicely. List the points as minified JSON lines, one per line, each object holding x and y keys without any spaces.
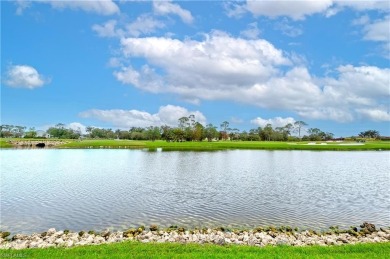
{"x":4,"y":143}
{"x":221,"y":145}
{"x":217,"y":145}
{"x":169,"y":250}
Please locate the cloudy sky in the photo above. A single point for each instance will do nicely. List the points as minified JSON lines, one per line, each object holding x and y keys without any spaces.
{"x":120,"y":64}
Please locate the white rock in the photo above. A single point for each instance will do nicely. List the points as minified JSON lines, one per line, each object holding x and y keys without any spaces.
{"x":98,"y":240}
{"x":51,"y":231}
{"x":59,"y":241}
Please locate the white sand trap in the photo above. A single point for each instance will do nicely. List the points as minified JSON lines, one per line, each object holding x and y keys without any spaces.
{"x":352,"y":144}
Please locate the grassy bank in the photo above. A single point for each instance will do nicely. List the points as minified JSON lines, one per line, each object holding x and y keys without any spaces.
{"x":4,"y":143}
{"x":218,"y":145}
{"x":221,"y":145}
{"x":174,"y":250}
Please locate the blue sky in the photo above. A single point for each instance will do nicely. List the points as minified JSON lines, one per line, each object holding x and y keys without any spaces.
{"x":120,"y":64}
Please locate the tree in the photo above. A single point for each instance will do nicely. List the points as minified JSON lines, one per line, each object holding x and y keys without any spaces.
{"x":198,"y":133}
{"x":267,"y":132}
{"x":210,"y":132}
{"x":183,"y":122}
{"x":59,"y":131}
{"x":153,"y":133}
{"x":31,"y":133}
{"x":370,"y":134}
{"x":167,"y":133}
{"x":288,"y":128}
{"x":298,"y":126}
{"x":224,"y":127}
{"x":315,"y":134}
{"x":254,"y":134}
{"x":234,"y":134}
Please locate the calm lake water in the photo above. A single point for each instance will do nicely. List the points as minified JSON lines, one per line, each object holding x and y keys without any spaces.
{"x":98,"y":189}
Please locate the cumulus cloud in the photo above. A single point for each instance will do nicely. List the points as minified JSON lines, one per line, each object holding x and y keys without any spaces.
{"x":275,"y":122}
{"x":166,"y":115}
{"x":23,"y":76}
{"x":200,"y":67}
{"x":77,"y":126}
{"x":221,"y":67}
{"x":365,"y":81}
{"x":378,"y":30}
{"x":21,"y":5}
{"x":296,"y":10}
{"x":107,"y":29}
{"x":364,"y":5}
{"x":103,"y":7}
{"x":287,"y":29}
{"x":299,"y":10}
{"x":375,"y":114}
{"x":166,"y":8}
{"x":252,"y":32}
{"x":143,"y":25}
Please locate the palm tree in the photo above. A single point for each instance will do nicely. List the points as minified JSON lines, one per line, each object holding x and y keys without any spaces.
{"x":299,"y":126}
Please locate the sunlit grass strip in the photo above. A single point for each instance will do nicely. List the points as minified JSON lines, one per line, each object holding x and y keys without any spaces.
{"x":221,"y":145}
{"x":215,"y":145}
{"x":4,"y":144}
{"x":175,"y":250}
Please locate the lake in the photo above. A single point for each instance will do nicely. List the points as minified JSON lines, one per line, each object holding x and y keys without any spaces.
{"x":95,"y":189}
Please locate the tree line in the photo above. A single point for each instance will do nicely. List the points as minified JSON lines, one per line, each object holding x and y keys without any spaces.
{"x":188,"y":129}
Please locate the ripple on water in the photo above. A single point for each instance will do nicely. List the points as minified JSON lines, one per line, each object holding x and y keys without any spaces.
{"x":98,"y":189}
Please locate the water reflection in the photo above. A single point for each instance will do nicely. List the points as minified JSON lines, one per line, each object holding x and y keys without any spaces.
{"x":98,"y":189}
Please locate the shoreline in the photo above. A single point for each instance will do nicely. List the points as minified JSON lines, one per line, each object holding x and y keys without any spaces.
{"x":193,"y":146}
{"x":256,"y":237}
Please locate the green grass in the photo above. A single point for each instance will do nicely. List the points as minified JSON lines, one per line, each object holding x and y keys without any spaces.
{"x":4,"y":143}
{"x":175,"y":250}
{"x":216,"y":145}
{"x":221,"y":145}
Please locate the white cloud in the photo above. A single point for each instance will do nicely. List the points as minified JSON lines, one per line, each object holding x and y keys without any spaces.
{"x":254,"y":72}
{"x":144,"y":24}
{"x":166,"y":8}
{"x":299,"y":10}
{"x":77,"y":126}
{"x":362,"y":20}
{"x":363,"y":5}
{"x":378,"y":30}
{"x":287,"y":29}
{"x":275,"y":122}
{"x":107,"y":29}
{"x":364,"y":81}
{"x":21,"y":6}
{"x":23,"y":76}
{"x":252,"y":32}
{"x":375,"y":114}
{"x":103,"y":7}
{"x":296,"y":10}
{"x":114,"y":62}
{"x":234,"y":9}
{"x":167,"y":115}
{"x":190,"y":65}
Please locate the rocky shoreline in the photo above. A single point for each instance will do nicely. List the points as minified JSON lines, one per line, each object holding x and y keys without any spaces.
{"x":36,"y":143}
{"x":257,"y":237}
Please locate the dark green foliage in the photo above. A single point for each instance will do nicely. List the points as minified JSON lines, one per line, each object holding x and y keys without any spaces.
{"x":153,"y":227}
{"x":4,"y":234}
